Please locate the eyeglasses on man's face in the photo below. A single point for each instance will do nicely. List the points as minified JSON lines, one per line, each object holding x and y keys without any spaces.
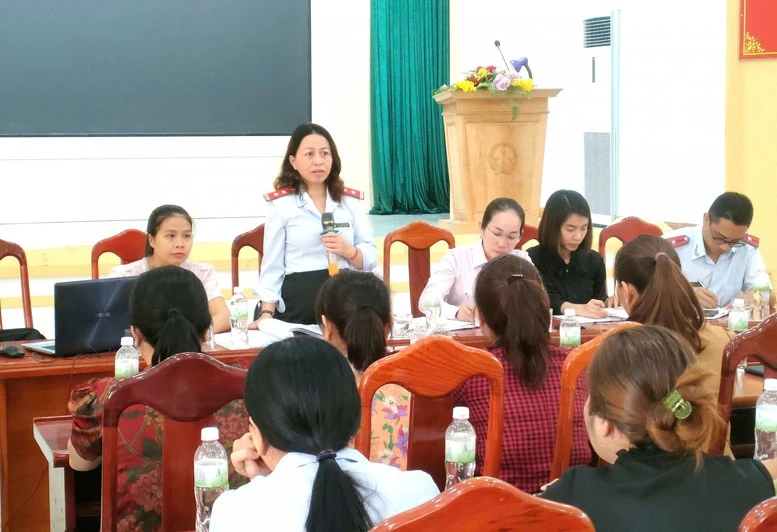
{"x":719,"y":240}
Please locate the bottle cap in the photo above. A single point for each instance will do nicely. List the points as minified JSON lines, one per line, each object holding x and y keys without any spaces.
{"x":209,"y":434}
{"x":770,"y":385}
{"x":739,"y":302}
{"x":237,"y":290}
{"x":462,"y":412}
{"x":569,"y":312}
{"x":127,"y":340}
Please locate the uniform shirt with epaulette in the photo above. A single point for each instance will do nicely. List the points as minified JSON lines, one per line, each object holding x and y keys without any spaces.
{"x":292,"y":237}
{"x":733,"y":273}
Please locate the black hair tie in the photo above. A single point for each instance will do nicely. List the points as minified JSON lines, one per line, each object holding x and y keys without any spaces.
{"x":326,"y":455}
{"x":514,"y":277}
{"x":173,"y":311}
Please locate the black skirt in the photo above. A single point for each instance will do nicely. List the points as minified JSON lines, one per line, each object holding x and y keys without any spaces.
{"x":299,"y":292}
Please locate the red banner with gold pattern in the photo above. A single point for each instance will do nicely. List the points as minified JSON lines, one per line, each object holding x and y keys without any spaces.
{"x":758,"y":29}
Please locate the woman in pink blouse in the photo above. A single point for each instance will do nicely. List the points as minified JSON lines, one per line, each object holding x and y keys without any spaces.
{"x":513,"y":310}
{"x":170,"y":239}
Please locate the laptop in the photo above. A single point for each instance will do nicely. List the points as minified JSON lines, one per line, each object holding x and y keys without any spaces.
{"x":89,"y":317}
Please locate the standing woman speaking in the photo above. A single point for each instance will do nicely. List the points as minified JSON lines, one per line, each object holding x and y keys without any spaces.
{"x":297,"y":252}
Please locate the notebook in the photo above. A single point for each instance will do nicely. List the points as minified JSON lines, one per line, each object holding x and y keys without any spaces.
{"x":89,"y":317}
{"x":270,"y":330}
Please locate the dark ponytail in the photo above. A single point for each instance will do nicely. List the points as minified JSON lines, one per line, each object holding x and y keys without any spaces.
{"x":666,"y":298}
{"x":359,"y":306}
{"x":170,"y":308}
{"x":513,"y":304}
{"x":296,"y":410}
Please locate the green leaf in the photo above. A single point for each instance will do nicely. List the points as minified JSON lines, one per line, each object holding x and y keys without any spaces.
{"x":388,"y":428}
{"x":151,"y":450}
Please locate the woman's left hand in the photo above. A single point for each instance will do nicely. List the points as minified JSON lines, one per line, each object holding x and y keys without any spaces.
{"x":334,"y":243}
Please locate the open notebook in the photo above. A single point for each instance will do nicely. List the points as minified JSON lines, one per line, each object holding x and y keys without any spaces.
{"x":615,"y":314}
{"x":270,"y":330}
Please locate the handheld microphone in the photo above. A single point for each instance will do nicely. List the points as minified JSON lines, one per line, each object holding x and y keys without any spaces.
{"x":328,"y":224}
{"x":499,"y":47}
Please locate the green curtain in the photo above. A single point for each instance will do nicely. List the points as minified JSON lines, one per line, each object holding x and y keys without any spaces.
{"x":409,"y":59}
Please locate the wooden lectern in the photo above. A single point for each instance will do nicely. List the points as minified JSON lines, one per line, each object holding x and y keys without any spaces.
{"x":490,"y":155}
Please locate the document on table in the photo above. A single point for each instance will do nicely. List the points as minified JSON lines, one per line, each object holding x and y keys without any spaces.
{"x":453,"y":325}
{"x":615,"y":314}
{"x":270,"y":330}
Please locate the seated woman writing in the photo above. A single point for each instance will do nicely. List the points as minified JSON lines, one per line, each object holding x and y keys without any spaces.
{"x":573,"y":274}
{"x":651,"y":413}
{"x":303,"y":475}
{"x":513,"y":310}
{"x":454,"y":280}
{"x":170,"y":238}
{"x":169,"y":315}
{"x":354,"y":312}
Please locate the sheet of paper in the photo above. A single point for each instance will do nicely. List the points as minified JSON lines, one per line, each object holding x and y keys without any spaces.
{"x":715,"y":313}
{"x":615,"y":314}
{"x":255,"y":339}
{"x":453,"y":325}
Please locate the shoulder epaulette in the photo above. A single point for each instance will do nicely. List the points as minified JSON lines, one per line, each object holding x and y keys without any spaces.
{"x":678,"y":241}
{"x":751,"y":239}
{"x":353,"y":192}
{"x":275,"y":194}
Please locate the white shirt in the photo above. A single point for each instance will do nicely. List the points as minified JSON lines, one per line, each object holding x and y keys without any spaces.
{"x":280,"y":501}
{"x":292,"y":240}
{"x":204,"y":272}
{"x":455,"y":276}
{"x":733,"y":273}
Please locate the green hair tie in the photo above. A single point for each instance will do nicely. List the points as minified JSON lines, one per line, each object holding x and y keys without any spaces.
{"x":675,"y":403}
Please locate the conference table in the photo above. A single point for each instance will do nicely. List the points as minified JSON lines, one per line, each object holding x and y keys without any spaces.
{"x":39,"y":386}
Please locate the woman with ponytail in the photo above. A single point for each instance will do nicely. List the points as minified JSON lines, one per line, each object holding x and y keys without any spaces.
{"x":651,"y":287}
{"x":168,"y":315}
{"x":513,"y":309}
{"x":651,"y":414}
{"x":354,"y":312}
{"x":304,"y":408}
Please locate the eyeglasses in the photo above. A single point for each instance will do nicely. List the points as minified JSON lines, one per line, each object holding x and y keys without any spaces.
{"x":507,"y":238}
{"x":729,"y":243}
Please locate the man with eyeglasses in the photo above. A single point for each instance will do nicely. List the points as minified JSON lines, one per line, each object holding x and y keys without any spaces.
{"x":719,"y":257}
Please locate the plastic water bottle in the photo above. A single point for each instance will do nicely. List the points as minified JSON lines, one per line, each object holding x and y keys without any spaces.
{"x":762,"y":290}
{"x":211,"y":475}
{"x":238,"y":317}
{"x":569,"y":329}
{"x":738,"y":317}
{"x":459,"y":448}
{"x":127,"y":359}
{"x":766,"y":422}
{"x":433,"y":304}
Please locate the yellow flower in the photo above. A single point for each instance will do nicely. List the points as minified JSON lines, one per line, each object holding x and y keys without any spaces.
{"x":482,"y":73}
{"x":524,"y":84}
{"x":466,"y":85}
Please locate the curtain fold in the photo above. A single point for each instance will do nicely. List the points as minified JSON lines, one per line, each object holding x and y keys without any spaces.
{"x":409,"y":59}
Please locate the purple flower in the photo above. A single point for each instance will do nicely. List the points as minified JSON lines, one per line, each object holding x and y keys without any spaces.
{"x":402,"y":438}
{"x":501,"y":82}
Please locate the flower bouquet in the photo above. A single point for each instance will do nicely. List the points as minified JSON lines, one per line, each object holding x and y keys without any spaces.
{"x":488,"y":77}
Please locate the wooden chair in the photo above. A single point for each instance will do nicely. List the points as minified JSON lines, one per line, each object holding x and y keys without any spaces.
{"x":9,"y":249}
{"x":418,"y":236}
{"x":529,"y":233}
{"x":487,"y":504}
{"x":576,"y":363}
{"x":757,"y":342}
{"x":129,"y":246}
{"x":253,"y":239}
{"x":626,"y":230}
{"x":186,"y":389}
{"x":761,"y":518}
{"x":431,"y":370}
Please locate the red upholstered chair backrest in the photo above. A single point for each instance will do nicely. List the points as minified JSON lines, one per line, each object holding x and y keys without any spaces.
{"x":431,"y":370}
{"x":626,"y":230}
{"x":756,"y":343}
{"x":129,"y":246}
{"x":419,"y":237}
{"x":529,"y":233}
{"x":186,"y":389}
{"x":575,"y":364}
{"x":487,"y":505}
{"x":9,"y":249}
{"x":253,"y":239}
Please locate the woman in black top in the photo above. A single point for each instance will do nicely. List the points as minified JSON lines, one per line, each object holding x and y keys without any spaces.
{"x":651,"y":413}
{"x":573,"y":275}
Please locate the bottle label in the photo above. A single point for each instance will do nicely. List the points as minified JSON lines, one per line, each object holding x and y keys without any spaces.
{"x":569,"y":336}
{"x":211,"y":475}
{"x":460,"y":451}
{"x":126,"y":367}
{"x":738,"y":320}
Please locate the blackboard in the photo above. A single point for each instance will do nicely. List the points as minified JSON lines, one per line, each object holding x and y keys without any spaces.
{"x":154,"y":67}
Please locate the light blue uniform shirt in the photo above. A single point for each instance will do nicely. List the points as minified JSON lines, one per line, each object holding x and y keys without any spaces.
{"x":292,"y":239}
{"x":733,"y":274}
